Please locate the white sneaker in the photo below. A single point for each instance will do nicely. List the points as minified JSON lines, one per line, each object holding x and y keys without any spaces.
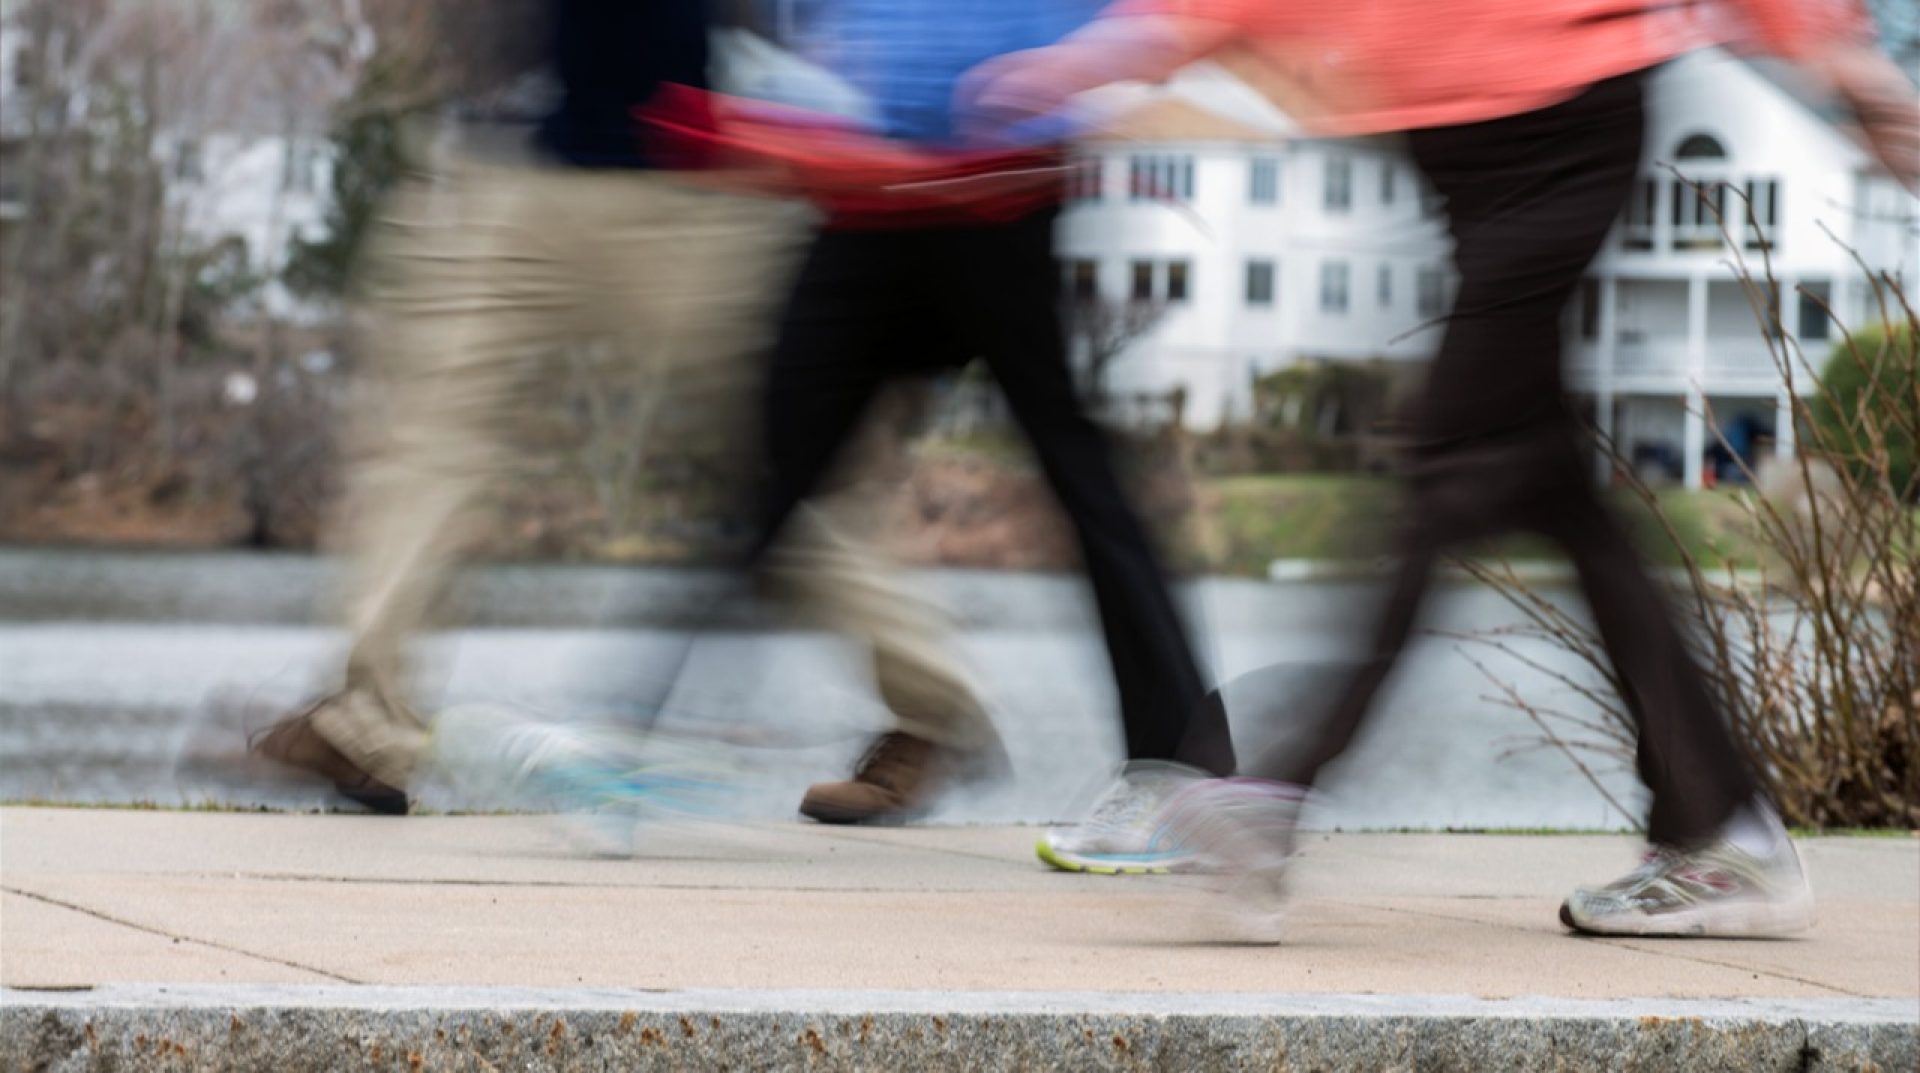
{"x":1124,"y":833}
{"x":1243,"y":831}
{"x":1719,"y":890}
{"x":497,"y":758}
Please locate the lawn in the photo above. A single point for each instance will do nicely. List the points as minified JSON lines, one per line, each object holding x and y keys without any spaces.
{"x":1244,"y":523}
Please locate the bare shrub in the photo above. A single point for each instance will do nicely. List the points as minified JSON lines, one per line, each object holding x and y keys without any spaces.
{"x":1814,"y":654}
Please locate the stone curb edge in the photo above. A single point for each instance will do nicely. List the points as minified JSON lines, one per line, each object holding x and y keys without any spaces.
{"x":322,"y":1028}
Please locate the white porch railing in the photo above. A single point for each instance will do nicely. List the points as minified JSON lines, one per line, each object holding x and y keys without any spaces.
{"x":1743,"y":361}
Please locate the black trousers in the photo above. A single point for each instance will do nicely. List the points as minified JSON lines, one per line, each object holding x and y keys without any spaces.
{"x":871,"y":305}
{"x":1495,"y":448}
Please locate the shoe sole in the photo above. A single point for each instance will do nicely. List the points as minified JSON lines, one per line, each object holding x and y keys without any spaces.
{"x":378,"y":802}
{"x":1055,"y":859}
{"x":853,"y":818}
{"x":984,"y":774}
{"x":1740,"y":920}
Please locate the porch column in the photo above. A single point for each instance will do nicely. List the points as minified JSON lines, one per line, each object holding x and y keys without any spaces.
{"x":1783,"y":429}
{"x":1665,"y":189}
{"x":1694,"y":444}
{"x":1603,"y":375}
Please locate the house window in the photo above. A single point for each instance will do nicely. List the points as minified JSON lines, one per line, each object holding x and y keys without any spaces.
{"x":1259,"y":283}
{"x":1387,"y":174}
{"x":1699,"y":199}
{"x":187,"y":166}
{"x":1083,"y":280}
{"x":1150,"y":277}
{"x":1697,"y":209}
{"x":1383,"y":286}
{"x":1815,"y":299}
{"x":26,"y":70}
{"x":1636,"y":232}
{"x":1086,"y":180}
{"x":1142,"y":289}
{"x":1333,"y":287}
{"x":1761,"y":213}
{"x":300,"y":172}
{"x":1431,"y":286}
{"x":1700,"y":147}
{"x":1339,"y":184}
{"x":1263,"y":184}
{"x":1160,"y":178}
{"x":1589,"y":309}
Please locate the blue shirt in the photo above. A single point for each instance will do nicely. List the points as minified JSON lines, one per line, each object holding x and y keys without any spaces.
{"x":908,"y":55}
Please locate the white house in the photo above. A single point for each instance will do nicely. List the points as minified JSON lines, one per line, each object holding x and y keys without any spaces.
{"x":264,"y":189}
{"x":258,"y":169}
{"x":15,"y":123}
{"x":1664,"y":333}
{"x":1265,"y":247}
{"x":1269,"y":248}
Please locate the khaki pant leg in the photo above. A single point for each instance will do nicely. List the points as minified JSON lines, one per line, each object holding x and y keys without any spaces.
{"x":858,"y":589}
{"x":700,"y":278}
{"x":853,"y":588}
{"x":470,"y":291}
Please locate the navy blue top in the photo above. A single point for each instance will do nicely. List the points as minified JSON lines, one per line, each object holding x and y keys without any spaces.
{"x":609,"y":56}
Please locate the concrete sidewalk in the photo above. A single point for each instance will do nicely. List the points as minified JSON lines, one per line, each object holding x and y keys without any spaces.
{"x":926,"y":919}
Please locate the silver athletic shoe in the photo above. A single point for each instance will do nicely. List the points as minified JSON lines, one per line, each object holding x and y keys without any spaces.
{"x":1719,"y":891}
{"x":1125,"y":833}
{"x":1243,"y":831}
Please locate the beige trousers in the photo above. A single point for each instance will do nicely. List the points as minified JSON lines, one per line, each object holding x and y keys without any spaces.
{"x":475,"y":279}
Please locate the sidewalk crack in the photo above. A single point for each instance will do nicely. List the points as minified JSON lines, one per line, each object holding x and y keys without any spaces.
{"x":164,"y":934}
{"x":1775,"y":973}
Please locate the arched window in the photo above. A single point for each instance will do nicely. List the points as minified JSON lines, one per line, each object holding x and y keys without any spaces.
{"x":1701,"y":206}
{"x":1700,"y":147}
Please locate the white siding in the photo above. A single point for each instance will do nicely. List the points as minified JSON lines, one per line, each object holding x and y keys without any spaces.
{"x":1211,"y":344}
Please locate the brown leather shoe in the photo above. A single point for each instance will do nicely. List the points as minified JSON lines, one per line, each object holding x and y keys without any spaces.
{"x":898,"y":778}
{"x":295,"y":743}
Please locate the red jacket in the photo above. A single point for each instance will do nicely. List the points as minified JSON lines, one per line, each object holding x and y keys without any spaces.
{"x":858,"y":179}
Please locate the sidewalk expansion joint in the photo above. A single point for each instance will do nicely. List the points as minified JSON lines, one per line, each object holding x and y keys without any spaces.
{"x":566,"y":884}
{"x":164,"y":934}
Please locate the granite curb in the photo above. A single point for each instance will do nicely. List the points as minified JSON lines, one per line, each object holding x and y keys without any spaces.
{"x":302,"y":1028}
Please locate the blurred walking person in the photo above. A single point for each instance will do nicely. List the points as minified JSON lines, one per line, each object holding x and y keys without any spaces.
{"x":1526,"y":117}
{"x":525,"y":241}
{"x":895,"y":285}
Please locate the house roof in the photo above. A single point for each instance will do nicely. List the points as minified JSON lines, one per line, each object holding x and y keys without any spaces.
{"x":1171,"y":119}
{"x":1204,"y":102}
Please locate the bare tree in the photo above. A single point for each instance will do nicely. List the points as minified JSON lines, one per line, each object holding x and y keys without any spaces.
{"x":1102,"y":330}
{"x":130,"y":125}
